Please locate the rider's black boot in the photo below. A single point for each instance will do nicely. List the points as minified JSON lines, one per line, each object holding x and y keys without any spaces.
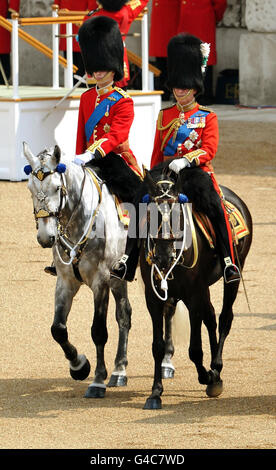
{"x":230,"y":271}
{"x":125,"y":267}
{"x":51,"y":270}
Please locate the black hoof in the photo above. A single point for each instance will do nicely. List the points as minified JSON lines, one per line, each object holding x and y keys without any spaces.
{"x":95,"y":392}
{"x":81,"y":374}
{"x":117,"y":381}
{"x":215,"y":388}
{"x":167,"y":373}
{"x":153,"y":404}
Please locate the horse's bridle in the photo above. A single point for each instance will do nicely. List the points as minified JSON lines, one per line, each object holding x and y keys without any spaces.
{"x":43,"y":212}
{"x":74,"y":252}
{"x":168,"y":199}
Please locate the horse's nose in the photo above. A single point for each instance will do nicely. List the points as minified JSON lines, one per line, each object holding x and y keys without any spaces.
{"x":46,"y":243}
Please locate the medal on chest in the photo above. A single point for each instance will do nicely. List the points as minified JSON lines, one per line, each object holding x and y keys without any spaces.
{"x":182,"y":118}
{"x":196,"y":122}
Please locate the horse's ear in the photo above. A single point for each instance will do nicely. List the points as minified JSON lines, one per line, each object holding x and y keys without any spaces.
{"x":57,"y":154}
{"x":151,"y":185}
{"x":28,"y":154}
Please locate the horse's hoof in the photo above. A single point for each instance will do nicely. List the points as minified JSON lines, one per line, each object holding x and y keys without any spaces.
{"x":167,"y":372}
{"x":215,"y":389}
{"x":95,"y":391}
{"x":153,"y":404}
{"x":117,"y":381}
{"x":82,"y":371}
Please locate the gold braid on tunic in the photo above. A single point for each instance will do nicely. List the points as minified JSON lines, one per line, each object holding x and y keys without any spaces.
{"x":174,"y":125}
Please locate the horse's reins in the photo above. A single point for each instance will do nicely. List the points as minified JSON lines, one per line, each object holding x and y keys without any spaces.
{"x":75,"y":251}
{"x":164,"y":279}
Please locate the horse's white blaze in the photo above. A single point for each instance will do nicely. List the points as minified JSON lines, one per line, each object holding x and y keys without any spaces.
{"x":47,"y":228}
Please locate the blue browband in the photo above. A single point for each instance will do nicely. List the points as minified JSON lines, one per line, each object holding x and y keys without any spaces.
{"x":182,"y":198}
{"x":41,"y":174}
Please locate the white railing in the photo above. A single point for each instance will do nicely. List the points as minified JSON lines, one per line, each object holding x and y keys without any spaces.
{"x":55,"y":21}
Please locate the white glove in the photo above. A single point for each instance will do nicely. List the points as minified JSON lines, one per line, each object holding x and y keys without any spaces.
{"x":178,"y":164}
{"x":84,"y":158}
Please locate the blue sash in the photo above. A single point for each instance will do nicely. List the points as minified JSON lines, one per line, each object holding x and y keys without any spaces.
{"x":99,"y":112}
{"x":183,"y":132}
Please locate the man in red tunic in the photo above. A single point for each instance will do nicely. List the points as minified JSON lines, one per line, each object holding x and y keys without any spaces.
{"x":124,"y":12}
{"x":106,"y":112}
{"x":187,"y":138}
{"x":187,"y":135}
{"x":7,"y":7}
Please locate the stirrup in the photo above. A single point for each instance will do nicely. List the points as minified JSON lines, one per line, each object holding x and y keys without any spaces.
{"x":119,"y":269}
{"x":233,"y":273}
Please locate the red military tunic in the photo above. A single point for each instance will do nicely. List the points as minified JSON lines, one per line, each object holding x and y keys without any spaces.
{"x":199,"y":143}
{"x":73,"y":5}
{"x":163,"y":26}
{"x":5,"y":36}
{"x":197,"y":17}
{"x":124,"y":17}
{"x":112,"y":131}
{"x":200,"y":17}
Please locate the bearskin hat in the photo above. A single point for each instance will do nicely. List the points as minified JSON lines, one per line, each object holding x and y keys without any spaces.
{"x":102,"y":46}
{"x":112,"y":5}
{"x":185,"y":61}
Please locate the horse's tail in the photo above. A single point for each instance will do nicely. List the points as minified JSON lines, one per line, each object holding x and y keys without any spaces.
{"x":181,"y":325}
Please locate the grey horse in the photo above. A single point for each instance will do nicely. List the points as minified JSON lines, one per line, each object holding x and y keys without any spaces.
{"x":76,"y":216}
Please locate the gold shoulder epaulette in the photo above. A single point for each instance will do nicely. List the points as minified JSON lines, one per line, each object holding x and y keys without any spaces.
{"x":121,"y":91}
{"x":204,"y":108}
{"x":134,"y":4}
{"x":160,"y":119}
{"x":169,"y":106}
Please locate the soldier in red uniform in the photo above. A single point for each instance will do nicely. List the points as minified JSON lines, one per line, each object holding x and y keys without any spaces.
{"x":7,"y":7}
{"x":197,"y":17}
{"x":106,"y":112}
{"x":200,"y":18}
{"x":163,"y":26}
{"x":187,"y":137}
{"x":124,"y":12}
{"x":74,"y":5}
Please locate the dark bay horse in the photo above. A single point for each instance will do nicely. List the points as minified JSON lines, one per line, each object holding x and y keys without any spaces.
{"x":180,"y":264}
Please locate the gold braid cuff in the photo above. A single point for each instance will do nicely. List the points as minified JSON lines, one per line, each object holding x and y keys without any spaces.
{"x":97,"y":146}
{"x":191,"y":156}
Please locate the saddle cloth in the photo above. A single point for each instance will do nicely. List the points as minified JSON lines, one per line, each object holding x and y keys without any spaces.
{"x":123,"y":214}
{"x":237,"y":223}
